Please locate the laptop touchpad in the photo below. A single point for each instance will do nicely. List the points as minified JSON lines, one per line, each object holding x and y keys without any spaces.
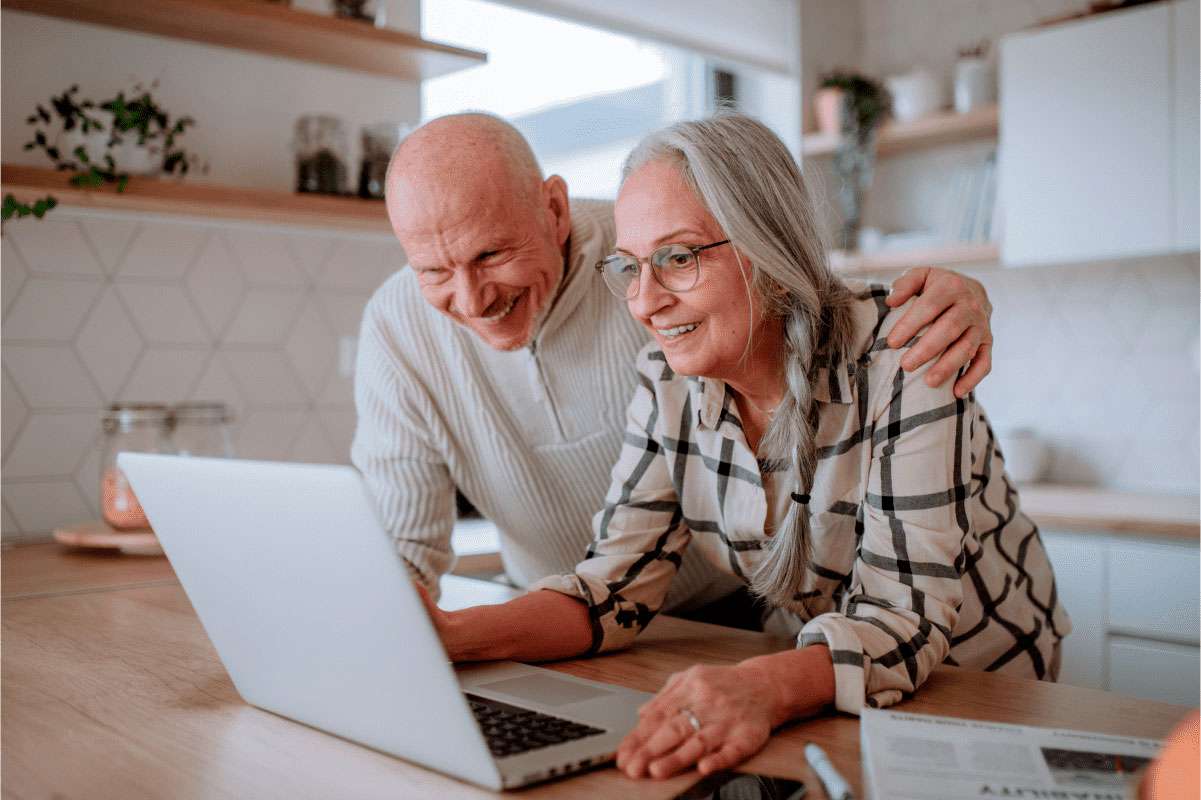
{"x":545,"y":689}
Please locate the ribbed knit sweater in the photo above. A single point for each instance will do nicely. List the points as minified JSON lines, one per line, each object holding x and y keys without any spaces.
{"x":529,"y":436}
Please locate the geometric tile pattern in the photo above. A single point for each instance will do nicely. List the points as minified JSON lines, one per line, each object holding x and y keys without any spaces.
{"x":108,"y":306}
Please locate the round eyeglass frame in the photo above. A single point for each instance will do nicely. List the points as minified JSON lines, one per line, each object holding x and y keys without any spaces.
{"x":622,"y":292}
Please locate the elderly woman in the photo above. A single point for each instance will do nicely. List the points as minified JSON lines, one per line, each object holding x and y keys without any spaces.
{"x":774,"y":430}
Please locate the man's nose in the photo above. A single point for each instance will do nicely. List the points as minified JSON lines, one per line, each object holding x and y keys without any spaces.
{"x":651,"y":296}
{"x":471,"y":298}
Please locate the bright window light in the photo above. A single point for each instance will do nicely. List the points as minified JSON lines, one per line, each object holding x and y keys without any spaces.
{"x":534,"y":61}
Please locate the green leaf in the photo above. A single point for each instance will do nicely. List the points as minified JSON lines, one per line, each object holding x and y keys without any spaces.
{"x":29,"y":145}
{"x":39,"y":208}
{"x":122,"y":182}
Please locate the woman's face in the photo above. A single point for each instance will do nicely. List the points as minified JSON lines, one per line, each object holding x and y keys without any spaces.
{"x":702,"y":331}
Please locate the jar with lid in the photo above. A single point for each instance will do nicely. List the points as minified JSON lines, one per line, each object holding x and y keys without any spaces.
{"x":321,"y":154}
{"x":132,"y":427}
{"x":201,"y":429}
{"x":379,"y":142}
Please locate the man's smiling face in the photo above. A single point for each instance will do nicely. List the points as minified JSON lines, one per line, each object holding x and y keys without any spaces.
{"x":485,"y":237}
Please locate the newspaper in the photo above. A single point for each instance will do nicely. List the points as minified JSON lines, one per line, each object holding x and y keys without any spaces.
{"x":945,"y":758}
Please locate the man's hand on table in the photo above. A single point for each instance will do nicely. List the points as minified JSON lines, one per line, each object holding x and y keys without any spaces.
{"x":957,"y":310}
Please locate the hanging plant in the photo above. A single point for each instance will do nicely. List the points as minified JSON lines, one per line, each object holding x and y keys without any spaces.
{"x":104,"y":142}
{"x":865,"y":104}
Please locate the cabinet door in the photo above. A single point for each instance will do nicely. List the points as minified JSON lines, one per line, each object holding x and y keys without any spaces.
{"x":1186,"y":130}
{"x":1079,"y":561}
{"x":1153,"y":590}
{"x":1086,"y":141}
{"x":1154,"y":670}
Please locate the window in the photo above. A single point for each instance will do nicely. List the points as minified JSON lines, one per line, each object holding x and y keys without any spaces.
{"x":583,"y":97}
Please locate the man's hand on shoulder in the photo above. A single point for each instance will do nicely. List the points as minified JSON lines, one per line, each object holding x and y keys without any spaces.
{"x":957,"y":310}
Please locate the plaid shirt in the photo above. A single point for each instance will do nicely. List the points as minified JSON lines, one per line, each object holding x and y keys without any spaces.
{"x":919,"y":552}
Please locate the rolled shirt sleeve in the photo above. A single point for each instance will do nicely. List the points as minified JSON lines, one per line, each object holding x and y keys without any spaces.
{"x":404,"y":471}
{"x":639,"y":534}
{"x":895,"y":621}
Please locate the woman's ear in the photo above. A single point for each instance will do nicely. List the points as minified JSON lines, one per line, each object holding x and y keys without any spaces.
{"x":554,"y":193}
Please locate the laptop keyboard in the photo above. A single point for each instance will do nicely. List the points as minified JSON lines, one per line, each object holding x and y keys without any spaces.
{"x":510,"y":730}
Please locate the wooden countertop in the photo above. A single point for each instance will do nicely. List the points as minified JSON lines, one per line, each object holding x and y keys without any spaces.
{"x":1089,"y":509}
{"x":116,"y":691}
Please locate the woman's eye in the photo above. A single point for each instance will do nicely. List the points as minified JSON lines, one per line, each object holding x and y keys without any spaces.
{"x":679,"y":260}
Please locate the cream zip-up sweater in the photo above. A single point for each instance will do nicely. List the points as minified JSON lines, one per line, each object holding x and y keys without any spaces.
{"x":529,"y":436}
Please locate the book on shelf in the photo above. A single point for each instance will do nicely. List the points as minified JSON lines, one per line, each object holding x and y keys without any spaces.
{"x":971,"y":202}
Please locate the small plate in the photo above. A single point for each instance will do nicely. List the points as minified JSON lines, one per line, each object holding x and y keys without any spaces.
{"x":100,"y":535}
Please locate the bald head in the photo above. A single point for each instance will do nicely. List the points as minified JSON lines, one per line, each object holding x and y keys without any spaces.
{"x":465,"y":150}
{"x":485,"y":234}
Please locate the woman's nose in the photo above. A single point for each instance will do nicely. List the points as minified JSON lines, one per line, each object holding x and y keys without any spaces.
{"x":651,"y":296}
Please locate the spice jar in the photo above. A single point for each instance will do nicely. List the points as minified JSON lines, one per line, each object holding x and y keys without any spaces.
{"x":321,"y":154}
{"x":379,"y":142}
{"x":201,"y":429}
{"x":131,"y":427}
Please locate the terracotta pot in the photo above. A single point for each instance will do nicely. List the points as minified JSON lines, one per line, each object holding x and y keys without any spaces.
{"x":827,"y":107}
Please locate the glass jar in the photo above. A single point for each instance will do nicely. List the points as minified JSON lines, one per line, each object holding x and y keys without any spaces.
{"x":201,"y":429}
{"x":132,"y":427}
{"x":379,"y":142}
{"x":321,"y":154}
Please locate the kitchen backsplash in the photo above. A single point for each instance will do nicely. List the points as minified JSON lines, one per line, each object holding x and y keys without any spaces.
{"x":1099,"y":360}
{"x":103,"y":307}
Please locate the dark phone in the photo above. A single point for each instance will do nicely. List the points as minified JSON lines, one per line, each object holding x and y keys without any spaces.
{"x":743,"y":786}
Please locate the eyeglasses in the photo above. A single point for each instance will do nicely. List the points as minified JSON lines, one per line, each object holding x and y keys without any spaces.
{"x":675,"y":267}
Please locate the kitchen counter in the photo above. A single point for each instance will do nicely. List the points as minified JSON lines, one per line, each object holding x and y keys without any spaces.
{"x":127,"y":669}
{"x":1092,"y":509}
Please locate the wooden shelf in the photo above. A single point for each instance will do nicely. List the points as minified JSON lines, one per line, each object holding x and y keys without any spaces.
{"x":169,"y":196}
{"x":898,"y":137}
{"x":271,"y":29}
{"x":957,"y":255}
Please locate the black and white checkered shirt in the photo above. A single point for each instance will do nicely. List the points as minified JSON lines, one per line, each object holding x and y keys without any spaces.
{"x":920,"y":553}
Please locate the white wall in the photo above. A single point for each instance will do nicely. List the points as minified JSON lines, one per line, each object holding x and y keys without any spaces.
{"x":245,"y":105}
{"x":104,"y":307}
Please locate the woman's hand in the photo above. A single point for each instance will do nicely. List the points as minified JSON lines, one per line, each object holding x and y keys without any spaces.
{"x":710,"y":717}
{"x":715,"y":717}
{"x":957,"y":310}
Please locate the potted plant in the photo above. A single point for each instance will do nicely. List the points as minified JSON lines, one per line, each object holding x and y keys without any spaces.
{"x":865,"y":104}
{"x":105,"y":142}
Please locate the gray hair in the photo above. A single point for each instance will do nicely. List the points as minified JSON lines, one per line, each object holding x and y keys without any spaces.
{"x":751,"y":185}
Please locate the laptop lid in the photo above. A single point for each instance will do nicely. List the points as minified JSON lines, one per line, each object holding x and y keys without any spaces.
{"x":312,"y":612}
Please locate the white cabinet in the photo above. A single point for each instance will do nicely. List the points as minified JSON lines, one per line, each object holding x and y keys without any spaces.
{"x":1134,"y":609}
{"x":1154,"y":670}
{"x":1080,"y":569}
{"x":1091,"y":163}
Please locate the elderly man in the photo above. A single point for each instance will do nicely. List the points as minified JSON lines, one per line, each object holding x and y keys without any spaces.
{"x":500,"y":364}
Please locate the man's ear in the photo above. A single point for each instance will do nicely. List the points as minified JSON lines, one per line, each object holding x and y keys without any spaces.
{"x":554,"y":193}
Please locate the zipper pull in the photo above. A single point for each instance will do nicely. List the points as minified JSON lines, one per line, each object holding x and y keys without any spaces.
{"x":535,"y":375}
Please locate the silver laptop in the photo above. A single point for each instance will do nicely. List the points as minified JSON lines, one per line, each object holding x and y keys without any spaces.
{"x":314,"y":616}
